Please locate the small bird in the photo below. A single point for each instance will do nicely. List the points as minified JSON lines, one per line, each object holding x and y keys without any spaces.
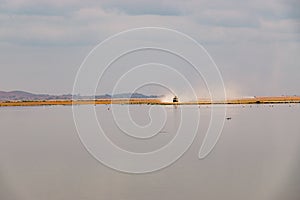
{"x":228,"y":118}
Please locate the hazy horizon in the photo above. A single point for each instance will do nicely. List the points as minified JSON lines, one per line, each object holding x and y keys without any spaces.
{"x":159,"y":94}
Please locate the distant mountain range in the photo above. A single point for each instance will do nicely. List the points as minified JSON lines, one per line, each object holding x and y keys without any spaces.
{"x":27,"y":96}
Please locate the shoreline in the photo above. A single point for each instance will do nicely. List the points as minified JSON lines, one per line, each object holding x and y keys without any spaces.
{"x":255,"y":100}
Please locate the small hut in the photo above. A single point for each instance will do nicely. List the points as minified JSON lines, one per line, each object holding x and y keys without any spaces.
{"x":175,"y":99}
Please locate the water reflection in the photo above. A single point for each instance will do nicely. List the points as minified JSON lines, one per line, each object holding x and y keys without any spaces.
{"x":257,"y":157}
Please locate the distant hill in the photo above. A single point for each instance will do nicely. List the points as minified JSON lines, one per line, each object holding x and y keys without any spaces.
{"x":127,"y":95}
{"x":27,"y":96}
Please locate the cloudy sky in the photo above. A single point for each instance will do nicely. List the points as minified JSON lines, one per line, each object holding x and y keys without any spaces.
{"x":256,"y":44}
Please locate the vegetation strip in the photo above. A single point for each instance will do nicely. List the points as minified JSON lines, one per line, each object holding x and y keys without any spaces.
{"x":255,"y":100}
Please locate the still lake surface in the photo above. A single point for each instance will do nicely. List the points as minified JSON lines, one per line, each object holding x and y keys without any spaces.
{"x":257,"y":156}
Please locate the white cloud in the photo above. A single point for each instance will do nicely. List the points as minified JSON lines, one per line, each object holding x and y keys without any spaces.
{"x":264,"y":28}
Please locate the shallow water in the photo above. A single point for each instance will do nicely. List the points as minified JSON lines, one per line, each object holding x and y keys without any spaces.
{"x":257,"y":156}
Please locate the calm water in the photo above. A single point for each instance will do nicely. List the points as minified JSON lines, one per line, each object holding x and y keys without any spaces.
{"x":257,"y":157}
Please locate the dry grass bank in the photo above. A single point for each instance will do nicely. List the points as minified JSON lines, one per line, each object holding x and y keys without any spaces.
{"x":256,"y":100}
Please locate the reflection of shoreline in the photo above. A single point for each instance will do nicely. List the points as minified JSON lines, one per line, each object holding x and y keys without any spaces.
{"x":255,"y":100}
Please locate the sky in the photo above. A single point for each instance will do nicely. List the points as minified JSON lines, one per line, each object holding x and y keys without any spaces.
{"x":255,"y":44}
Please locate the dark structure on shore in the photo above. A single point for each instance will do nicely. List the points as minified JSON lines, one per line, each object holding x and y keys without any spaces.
{"x":175,"y":99}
